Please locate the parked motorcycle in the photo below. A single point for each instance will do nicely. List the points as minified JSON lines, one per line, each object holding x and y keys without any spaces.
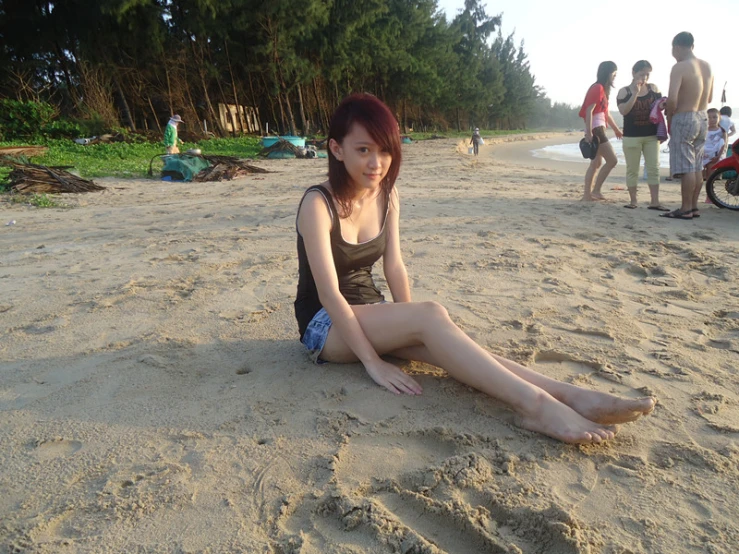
{"x":722,"y":185}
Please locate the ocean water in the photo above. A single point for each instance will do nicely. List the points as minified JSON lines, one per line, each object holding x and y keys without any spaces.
{"x":570,"y":152}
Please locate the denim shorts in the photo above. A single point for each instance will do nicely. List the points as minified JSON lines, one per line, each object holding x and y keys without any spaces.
{"x":314,"y":338}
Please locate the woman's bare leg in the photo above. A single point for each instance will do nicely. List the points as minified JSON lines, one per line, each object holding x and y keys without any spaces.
{"x":590,"y":176}
{"x":391,"y":327}
{"x":599,"y":407}
{"x":605,"y":151}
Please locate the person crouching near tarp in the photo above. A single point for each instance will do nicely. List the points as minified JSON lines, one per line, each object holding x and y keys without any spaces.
{"x":170,"y":135}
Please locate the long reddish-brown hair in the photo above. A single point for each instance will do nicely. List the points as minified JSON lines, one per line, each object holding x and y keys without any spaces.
{"x":372,"y":114}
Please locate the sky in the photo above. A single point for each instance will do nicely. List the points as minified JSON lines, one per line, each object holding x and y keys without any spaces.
{"x":566,"y":40}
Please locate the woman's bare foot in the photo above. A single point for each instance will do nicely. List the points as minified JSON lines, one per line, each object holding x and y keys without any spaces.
{"x":608,"y":409}
{"x":597,"y":196}
{"x":587,"y":198}
{"x":554,"y":419}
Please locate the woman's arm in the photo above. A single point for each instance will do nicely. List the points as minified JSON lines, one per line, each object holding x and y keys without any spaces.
{"x":616,"y":130}
{"x":589,"y":122}
{"x":314,"y":225}
{"x":395,"y":272}
{"x":626,"y":107}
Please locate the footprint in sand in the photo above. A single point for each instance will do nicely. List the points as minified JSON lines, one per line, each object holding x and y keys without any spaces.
{"x":56,"y":448}
{"x":426,"y":492}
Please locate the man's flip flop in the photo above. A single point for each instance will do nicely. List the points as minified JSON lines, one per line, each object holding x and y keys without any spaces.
{"x":677,"y":214}
{"x":659,"y":208}
{"x":630,"y":206}
{"x":695,"y":214}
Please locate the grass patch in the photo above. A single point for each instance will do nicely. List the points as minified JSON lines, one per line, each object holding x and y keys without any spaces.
{"x":38,"y":200}
{"x":121,"y":159}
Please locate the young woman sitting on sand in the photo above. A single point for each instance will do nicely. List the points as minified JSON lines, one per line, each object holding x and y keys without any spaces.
{"x":344,"y":226}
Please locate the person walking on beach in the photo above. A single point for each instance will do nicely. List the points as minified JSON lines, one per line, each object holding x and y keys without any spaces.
{"x":640,"y":134}
{"x":691,"y":89}
{"x":595,"y":113}
{"x":476,"y":140}
{"x":350,"y":221}
{"x":171,"y":140}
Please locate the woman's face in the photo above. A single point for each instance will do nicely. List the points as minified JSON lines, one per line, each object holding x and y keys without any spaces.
{"x":612,"y":80}
{"x":642,"y":76}
{"x":365,"y":161}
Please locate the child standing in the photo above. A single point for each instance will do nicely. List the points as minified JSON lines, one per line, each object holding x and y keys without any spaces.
{"x":716,"y":140}
{"x":725,"y":122}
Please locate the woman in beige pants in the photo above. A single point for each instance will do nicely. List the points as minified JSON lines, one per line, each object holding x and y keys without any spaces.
{"x":640,"y":134}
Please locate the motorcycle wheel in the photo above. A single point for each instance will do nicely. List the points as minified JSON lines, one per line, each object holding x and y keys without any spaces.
{"x":723,"y":192}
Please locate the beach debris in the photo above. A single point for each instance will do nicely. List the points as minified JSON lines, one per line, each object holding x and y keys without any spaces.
{"x":200,"y":168}
{"x":27,"y":151}
{"x":226,"y":168}
{"x":40,"y":179}
{"x":102,"y":139}
{"x":11,"y":222}
{"x":285,"y":149}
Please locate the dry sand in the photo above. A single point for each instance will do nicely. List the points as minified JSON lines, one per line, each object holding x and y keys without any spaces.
{"x":154,"y":396}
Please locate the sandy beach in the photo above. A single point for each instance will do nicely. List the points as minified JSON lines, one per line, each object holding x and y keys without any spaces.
{"x":154,"y":396}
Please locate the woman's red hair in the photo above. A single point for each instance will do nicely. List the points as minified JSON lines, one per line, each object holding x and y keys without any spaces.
{"x":372,"y":114}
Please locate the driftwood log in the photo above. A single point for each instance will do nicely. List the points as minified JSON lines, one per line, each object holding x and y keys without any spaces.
{"x":27,"y":151}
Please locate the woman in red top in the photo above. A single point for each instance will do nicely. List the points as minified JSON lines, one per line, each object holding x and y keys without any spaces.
{"x":595,"y":113}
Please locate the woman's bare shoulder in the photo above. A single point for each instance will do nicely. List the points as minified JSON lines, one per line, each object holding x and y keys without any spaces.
{"x":315,"y":204}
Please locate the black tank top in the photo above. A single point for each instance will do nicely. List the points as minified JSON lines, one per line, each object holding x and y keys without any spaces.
{"x":636,"y":122}
{"x":353,"y":264}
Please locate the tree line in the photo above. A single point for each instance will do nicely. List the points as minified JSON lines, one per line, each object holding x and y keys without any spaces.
{"x":132,"y":63}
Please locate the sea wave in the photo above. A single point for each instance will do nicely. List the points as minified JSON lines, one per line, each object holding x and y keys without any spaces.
{"x":570,"y":152}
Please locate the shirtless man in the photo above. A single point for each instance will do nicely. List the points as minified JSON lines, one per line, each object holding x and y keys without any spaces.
{"x":691,"y":89}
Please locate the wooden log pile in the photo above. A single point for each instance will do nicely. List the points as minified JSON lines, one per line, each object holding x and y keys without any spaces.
{"x":39,"y":179}
{"x":226,"y":168}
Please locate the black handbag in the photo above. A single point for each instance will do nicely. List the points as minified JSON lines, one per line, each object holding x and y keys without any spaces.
{"x":589,"y":149}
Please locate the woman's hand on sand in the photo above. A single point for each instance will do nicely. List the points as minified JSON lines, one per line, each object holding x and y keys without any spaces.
{"x":393,"y":379}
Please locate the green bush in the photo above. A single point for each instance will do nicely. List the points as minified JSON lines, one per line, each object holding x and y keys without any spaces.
{"x":24,"y":120}
{"x":92,"y":124}
{"x":35,"y":121}
{"x":62,"y":128}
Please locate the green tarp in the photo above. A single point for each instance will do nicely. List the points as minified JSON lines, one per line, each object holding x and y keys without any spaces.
{"x":183,"y":167}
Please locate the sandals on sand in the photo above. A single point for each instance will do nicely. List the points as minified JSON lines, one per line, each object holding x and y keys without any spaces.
{"x":677,"y":214}
{"x":659,"y":208}
{"x":631,"y":206}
